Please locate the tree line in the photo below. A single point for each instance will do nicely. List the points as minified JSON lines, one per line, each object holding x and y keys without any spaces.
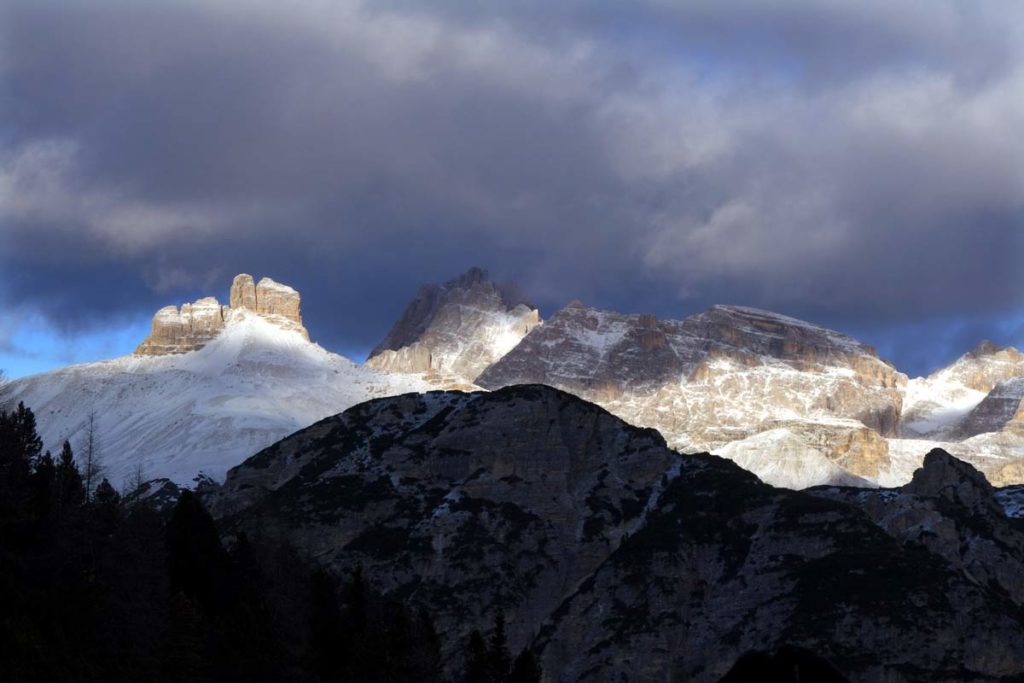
{"x":99,"y":587}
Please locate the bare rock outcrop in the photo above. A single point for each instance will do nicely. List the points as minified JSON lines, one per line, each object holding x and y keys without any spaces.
{"x":1001,"y":406}
{"x":184,"y":330}
{"x":189,"y":328}
{"x":275,"y":299}
{"x":243,"y":292}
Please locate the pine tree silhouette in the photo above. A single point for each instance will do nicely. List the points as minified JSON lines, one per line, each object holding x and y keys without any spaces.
{"x":478,"y":665}
{"x":70,"y":489}
{"x":197,"y":562}
{"x":525,"y":669}
{"x":20,"y":447}
{"x":497,"y":651}
{"x":326,"y":651}
{"x":43,"y":487}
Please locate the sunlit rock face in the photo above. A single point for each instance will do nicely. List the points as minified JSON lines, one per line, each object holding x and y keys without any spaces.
{"x":841,"y":452}
{"x":720,"y":377}
{"x":193,"y":325}
{"x":182,"y":330}
{"x":987,"y":365}
{"x":243,"y":292}
{"x":278,"y":303}
{"x":973,"y":409}
{"x":457,"y":329}
{"x":615,"y":558}
{"x":939,"y":406}
{"x":1000,"y":407}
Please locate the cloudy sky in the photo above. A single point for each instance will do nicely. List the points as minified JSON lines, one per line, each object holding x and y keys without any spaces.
{"x":857,"y":163}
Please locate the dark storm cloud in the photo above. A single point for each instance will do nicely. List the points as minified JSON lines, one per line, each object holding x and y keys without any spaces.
{"x":854,"y":163}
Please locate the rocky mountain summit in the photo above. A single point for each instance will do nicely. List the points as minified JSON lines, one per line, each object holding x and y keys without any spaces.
{"x":612,"y":356}
{"x":614,"y":557}
{"x":940,"y":405}
{"x":194,"y":325}
{"x":456,"y":329}
{"x":722,"y":376}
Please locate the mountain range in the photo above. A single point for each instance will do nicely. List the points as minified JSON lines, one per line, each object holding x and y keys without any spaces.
{"x":484,"y":465}
{"x":613,"y":557}
{"x":795,"y":403}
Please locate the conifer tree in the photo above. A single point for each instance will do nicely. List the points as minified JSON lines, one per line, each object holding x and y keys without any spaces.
{"x":325,"y":645}
{"x":478,"y":669}
{"x":197,"y":562}
{"x":106,"y":494}
{"x":106,"y":505}
{"x":26,"y":438}
{"x":42,"y":484}
{"x":356,"y":600}
{"x":428,"y":648}
{"x":70,"y":489}
{"x":497,"y":651}
{"x":92,"y":465}
{"x":525,"y":669}
{"x":20,"y":446}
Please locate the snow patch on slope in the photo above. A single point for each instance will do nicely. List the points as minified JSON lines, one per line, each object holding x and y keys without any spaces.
{"x":932,"y":406}
{"x":780,"y":458}
{"x":203,"y":411}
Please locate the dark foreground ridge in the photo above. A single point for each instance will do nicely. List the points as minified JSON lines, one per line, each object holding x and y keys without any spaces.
{"x":519,"y":535}
{"x":612,"y":557}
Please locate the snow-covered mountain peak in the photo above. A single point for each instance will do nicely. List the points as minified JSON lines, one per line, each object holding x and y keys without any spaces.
{"x":249,"y":338}
{"x":983,"y":367}
{"x":944,"y":403}
{"x":212,"y":385}
{"x":456,"y":329}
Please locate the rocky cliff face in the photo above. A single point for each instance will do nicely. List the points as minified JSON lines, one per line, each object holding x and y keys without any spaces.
{"x":995,"y":412}
{"x":455,"y":330}
{"x":972,"y":408}
{"x":183,"y":330}
{"x":939,"y":406}
{"x":720,"y":377}
{"x":193,"y":325}
{"x":952,"y":510}
{"x":986,"y":365}
{"x":614,"y":557}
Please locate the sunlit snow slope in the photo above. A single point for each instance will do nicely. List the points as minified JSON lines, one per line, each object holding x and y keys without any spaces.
{"x":203,"y":411}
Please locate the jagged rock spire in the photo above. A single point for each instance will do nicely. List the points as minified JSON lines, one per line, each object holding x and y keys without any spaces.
{"x":243,"y":292}
{"x":193,"y":325}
